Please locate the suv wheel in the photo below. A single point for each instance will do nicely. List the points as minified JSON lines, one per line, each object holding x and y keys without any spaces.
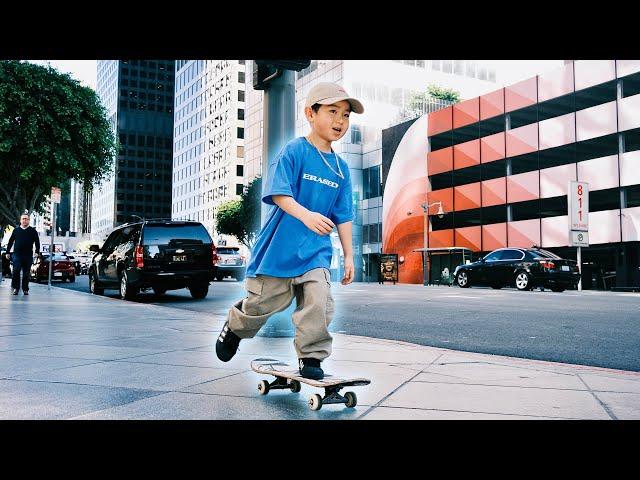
{"x":523,"y":281}
{"x":462,"y":279}
{"x":93,"y":284}
{"x":199,"y":291}
{"x":127,"y":292}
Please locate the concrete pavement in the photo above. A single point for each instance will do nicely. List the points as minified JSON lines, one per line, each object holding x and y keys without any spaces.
{"x":70,"y":355}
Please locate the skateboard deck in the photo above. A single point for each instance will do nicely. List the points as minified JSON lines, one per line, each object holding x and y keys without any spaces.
{"x":288,"y":377}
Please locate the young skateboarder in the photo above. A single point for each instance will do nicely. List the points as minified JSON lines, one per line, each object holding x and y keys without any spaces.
{"x":309,"y":188}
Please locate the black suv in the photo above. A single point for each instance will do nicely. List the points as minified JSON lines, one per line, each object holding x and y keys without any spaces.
{"x":163,"y":255}
{"x":524,"y":268}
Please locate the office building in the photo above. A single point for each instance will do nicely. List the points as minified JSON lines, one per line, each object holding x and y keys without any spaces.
{"x":139,"y":98}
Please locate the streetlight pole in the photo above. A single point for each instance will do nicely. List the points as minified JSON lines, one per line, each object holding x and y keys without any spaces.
{"x":425,"y":210}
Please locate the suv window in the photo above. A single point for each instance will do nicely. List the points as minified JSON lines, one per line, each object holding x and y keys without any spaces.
{"x":112,"y":241}
{"x":172,"y":234}
{"x":511,"y":255}
{"x":493,"y":256}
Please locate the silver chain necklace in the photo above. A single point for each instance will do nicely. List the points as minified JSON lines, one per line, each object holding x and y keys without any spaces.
{"x":339,"y":172}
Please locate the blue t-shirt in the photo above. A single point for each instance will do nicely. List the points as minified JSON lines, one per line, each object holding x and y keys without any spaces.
{"x":285,"y":247}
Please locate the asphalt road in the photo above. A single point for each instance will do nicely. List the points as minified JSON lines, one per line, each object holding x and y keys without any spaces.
{"x":589,"y":328}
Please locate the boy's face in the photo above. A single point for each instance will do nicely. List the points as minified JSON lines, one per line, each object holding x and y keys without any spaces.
{"x":331,"y":122}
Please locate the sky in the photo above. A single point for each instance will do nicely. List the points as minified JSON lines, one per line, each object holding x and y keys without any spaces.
{"x":83,"y":70}
{"x":507,"y":71}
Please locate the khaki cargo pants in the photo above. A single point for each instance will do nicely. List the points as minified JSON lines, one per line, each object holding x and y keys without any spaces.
{"x":268,"y":295}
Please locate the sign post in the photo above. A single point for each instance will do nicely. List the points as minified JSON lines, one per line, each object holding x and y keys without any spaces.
{"x":55,"y":198}
{"x":578,"y":204}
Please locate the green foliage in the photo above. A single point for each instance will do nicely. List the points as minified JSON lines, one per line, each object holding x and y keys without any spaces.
{"x":419,"y":100}
{"x":52,"y":129}
{"x":447,"y":94}
{"x":241,"y":218}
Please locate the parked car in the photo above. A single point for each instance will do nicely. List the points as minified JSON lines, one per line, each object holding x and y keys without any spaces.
{"x":81,"y":262}
{"x":62,"y":268}
{"x":159,"y":255}
{"x":524,"y":268}
{"x":231,"y":263}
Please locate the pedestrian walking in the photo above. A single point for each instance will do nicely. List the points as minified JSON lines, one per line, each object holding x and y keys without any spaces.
{"x":24,"y":237}
{"x":309,"y":189}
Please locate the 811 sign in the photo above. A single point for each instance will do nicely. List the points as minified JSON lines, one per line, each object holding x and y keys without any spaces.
{"x":579,"y":206}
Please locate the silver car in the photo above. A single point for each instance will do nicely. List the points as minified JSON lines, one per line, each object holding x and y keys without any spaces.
{"x":230,"y":263}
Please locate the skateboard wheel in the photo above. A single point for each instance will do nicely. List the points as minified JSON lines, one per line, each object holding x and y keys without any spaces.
{"x":295,"y":386}
{"x":352,"y":400}
{"x":315,"y":402}
{"x":263,"y":387}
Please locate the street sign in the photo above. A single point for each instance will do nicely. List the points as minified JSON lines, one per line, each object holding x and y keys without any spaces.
{"x":578,"y":203}
{"x":578,"y":239}
{"x":55,"y":194}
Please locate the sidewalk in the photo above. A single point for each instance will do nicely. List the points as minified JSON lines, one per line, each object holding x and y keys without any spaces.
{"x":70,"y":355}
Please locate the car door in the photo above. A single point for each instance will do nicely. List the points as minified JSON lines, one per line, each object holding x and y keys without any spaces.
{"x":511,"y":258}
{"x":105,"y":260}
{"x":487,"y":269}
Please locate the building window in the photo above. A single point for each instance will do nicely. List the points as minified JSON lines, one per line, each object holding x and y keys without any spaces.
{"x":239,"y":188}
{"x":241,"y":95}
{"x":240,"y":114}
{"x":240,"y":132}
{"x":239,"y":170}
{"x":241,"y":77}
{"x":240,"y":151}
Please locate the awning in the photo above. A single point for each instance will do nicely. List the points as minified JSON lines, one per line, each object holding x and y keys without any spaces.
{"x":444,"y":250}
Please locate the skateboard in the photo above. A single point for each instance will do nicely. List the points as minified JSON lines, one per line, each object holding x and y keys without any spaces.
{"x":288,"y":377}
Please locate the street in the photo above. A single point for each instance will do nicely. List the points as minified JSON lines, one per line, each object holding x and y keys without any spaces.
{"x":589,"y":328}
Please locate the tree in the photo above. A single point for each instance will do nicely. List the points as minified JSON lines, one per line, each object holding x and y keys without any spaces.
{"x":52,"y":129}
{"x":241,"y":218}
{"x":446,"y":94}
{"x":418,"y":101}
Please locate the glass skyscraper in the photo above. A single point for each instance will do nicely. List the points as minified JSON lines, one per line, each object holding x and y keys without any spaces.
{"x":139,"y":97}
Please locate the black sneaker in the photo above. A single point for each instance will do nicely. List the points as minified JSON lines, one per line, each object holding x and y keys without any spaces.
{"x":310,"y":368}
{"x":227,"y":344}
{"x":25,"y":292}
{"x":14,"y":291}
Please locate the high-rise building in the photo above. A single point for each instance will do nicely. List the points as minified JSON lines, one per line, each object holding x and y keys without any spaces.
{"x":208,"y":157}
{"x":386,"y":88}
{"x":139,"y":98}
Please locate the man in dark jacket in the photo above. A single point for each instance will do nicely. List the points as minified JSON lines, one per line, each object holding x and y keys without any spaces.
{"x":24,"y":238}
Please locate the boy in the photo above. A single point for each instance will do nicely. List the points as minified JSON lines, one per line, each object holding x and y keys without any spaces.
{"x":310,"y":188}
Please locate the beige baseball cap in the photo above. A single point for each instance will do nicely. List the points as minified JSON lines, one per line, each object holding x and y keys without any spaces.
{"x":326,"y":93}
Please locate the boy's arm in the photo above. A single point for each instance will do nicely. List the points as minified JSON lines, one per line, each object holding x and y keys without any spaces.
{"x":346,"y":239}
{"x":314,"y":221}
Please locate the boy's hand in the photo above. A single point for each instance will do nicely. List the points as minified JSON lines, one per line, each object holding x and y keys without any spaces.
{"x":318,"y":223}
{"x":348,"y":271}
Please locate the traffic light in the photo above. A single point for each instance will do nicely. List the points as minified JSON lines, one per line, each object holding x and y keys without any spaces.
{"x":266,"y":70}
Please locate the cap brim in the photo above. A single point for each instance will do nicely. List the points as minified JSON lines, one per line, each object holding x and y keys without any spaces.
{"x":356,"y":106}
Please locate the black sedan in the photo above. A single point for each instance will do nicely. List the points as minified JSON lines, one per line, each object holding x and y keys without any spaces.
{"x":524,"y":268}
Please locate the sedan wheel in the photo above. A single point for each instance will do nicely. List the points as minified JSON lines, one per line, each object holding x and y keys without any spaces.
{"x":463,"y":280}
{"x":522,"y":281}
